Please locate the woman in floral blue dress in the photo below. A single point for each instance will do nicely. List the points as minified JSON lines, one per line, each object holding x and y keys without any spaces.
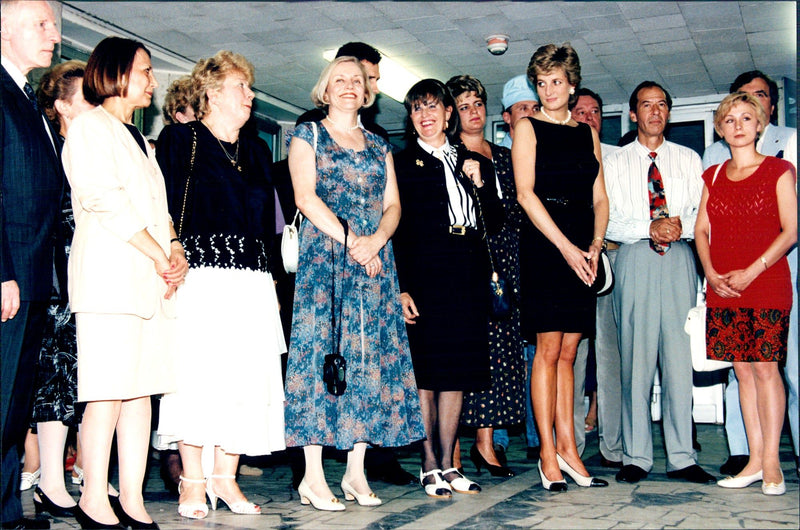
{"x":339,"y":169}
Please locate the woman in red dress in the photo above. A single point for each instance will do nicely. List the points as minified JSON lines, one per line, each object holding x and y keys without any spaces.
{"x":750,"y":201}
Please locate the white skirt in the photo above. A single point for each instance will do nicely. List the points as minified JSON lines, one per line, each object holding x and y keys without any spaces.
{"x":229,"y":384}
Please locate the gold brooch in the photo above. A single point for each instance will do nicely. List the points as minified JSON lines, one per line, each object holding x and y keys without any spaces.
{"x":420,"y":163}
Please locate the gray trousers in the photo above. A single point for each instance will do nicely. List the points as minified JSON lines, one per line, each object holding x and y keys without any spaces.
{"x":651,"y":299}
{"x":609,"y":398}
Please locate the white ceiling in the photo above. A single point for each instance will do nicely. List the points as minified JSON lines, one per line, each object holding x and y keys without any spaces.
{"x":692,"y":48}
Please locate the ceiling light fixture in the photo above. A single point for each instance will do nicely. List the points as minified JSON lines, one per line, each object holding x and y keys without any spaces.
{"x":497,"y":44}
{"x":395,"y":80}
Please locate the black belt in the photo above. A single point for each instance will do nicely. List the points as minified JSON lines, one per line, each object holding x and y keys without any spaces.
{"x":460,"y":230}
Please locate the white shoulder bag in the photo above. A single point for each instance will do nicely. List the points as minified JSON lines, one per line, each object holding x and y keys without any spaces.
{"x":290,"y":241}
{"x":695,"y":326}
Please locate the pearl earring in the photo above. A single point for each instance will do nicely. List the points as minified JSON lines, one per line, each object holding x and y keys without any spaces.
{"x":572,"y":91}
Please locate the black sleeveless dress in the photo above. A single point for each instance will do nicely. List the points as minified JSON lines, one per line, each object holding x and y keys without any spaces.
{"x":553,"y":297}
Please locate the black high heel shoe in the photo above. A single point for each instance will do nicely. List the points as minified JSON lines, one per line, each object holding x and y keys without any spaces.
{"x":46,"y":505}
{"x":87,"y":523}
{"x":129,"y":522}
{"x":496,"y":471}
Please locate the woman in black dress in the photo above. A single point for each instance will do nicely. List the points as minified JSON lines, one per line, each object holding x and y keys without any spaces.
{"x":503,"y":403}
{"x":443,"y":269}
{"x":560,"y":187}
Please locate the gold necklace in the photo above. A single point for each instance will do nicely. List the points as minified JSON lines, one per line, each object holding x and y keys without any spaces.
{"x":234,"y":160}
{"x":560,"y":122}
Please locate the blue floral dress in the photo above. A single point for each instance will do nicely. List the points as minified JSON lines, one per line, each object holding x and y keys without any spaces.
{"x":380,"y":405}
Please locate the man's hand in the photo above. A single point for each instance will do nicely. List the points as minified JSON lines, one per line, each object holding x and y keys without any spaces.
{"x":10,"y":300}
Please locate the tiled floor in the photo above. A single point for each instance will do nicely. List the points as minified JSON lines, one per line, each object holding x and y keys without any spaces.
{"x":519,"y":502}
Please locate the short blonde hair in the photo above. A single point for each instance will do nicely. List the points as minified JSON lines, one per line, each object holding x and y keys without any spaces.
{"x":209,"y":74}
{"x":321,"y":86}
{"x":730,"y":100}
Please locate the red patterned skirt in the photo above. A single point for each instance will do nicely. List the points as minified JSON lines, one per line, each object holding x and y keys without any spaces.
{"x":746,"y":334}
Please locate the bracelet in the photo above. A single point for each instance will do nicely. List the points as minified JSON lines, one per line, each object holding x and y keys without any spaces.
{"x":598,"y":238}
{"x":175,"y":239}
{"x":764,"y":261}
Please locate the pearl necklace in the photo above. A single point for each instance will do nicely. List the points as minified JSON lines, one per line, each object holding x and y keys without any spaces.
{"x":560,"y":122}
{"x":353,"y":128}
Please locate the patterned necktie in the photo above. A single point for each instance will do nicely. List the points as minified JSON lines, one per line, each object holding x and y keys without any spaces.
{"x":658,"y":201}
{"x":31,"y":96}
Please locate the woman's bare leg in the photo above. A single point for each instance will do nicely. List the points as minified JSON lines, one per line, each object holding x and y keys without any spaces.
{"x":133,"y":438}
{"x":97,"y":433}
{"x":52,"y":438}
{"x":543,"y":396}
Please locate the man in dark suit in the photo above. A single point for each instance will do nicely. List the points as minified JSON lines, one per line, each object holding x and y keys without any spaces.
{"x":32,"y":182}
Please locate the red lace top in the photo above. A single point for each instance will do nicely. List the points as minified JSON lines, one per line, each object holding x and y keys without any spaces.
{"x":744,"y":221}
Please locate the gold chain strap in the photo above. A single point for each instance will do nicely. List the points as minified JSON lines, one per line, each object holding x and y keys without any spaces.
{"x":188,"y":178}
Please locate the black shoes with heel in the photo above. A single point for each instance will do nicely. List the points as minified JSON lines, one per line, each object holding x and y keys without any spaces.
{"x":496,"y":471}
{"x":44,"y":504}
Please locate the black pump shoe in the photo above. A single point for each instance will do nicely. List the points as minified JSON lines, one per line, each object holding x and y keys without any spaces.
{"x":496,"y":471}
{"x":87,"y":523}
{"x":46,"y":505}
{"x":129,"y":522}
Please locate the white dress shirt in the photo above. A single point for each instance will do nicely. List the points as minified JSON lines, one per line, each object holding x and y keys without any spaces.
{"x":461,"y":207}
{"x":625,"y":173}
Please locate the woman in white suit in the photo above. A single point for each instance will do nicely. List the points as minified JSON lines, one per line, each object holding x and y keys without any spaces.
{"x":123,"y":273}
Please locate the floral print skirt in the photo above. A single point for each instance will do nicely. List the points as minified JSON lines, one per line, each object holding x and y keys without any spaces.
{"x":746,"y":334}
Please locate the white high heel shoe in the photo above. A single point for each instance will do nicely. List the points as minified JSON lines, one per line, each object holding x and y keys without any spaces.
{"x":240,"y":507}
{"x":774,"y":488}
{"x":363,"y":499}
{"x":192,"y":510}
{"x":580,"y":480}
{"x":308,"y":497}
{"x":740,"y":481}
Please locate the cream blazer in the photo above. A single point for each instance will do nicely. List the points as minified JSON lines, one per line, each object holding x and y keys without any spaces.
{"x":117,"y":191}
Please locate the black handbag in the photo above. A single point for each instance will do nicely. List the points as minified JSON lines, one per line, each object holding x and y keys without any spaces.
{"x":500,"y":302}
{"x":334,"y":370}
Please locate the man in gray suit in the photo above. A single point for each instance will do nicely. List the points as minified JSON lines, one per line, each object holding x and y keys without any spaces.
{"x":32,"y":183}
{"x":780,"y":142}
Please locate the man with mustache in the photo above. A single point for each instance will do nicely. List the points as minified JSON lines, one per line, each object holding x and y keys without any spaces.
{"x":654,"y":190}
{"x":32,"y":182}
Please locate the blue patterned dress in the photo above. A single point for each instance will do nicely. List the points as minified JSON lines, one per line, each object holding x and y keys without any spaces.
{"x":380,"y":405}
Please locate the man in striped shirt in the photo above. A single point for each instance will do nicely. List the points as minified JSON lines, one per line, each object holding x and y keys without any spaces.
{"x":654,"y":188}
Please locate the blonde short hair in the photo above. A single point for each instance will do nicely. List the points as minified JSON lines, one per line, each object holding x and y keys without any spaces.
{"x":730,"y":100}
{"x":321,"y":86}
{"x":209,"y":74}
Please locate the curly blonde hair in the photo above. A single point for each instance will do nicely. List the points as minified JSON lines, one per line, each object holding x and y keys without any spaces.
{"x":179,"y":97}
{"x":209,"y":74}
